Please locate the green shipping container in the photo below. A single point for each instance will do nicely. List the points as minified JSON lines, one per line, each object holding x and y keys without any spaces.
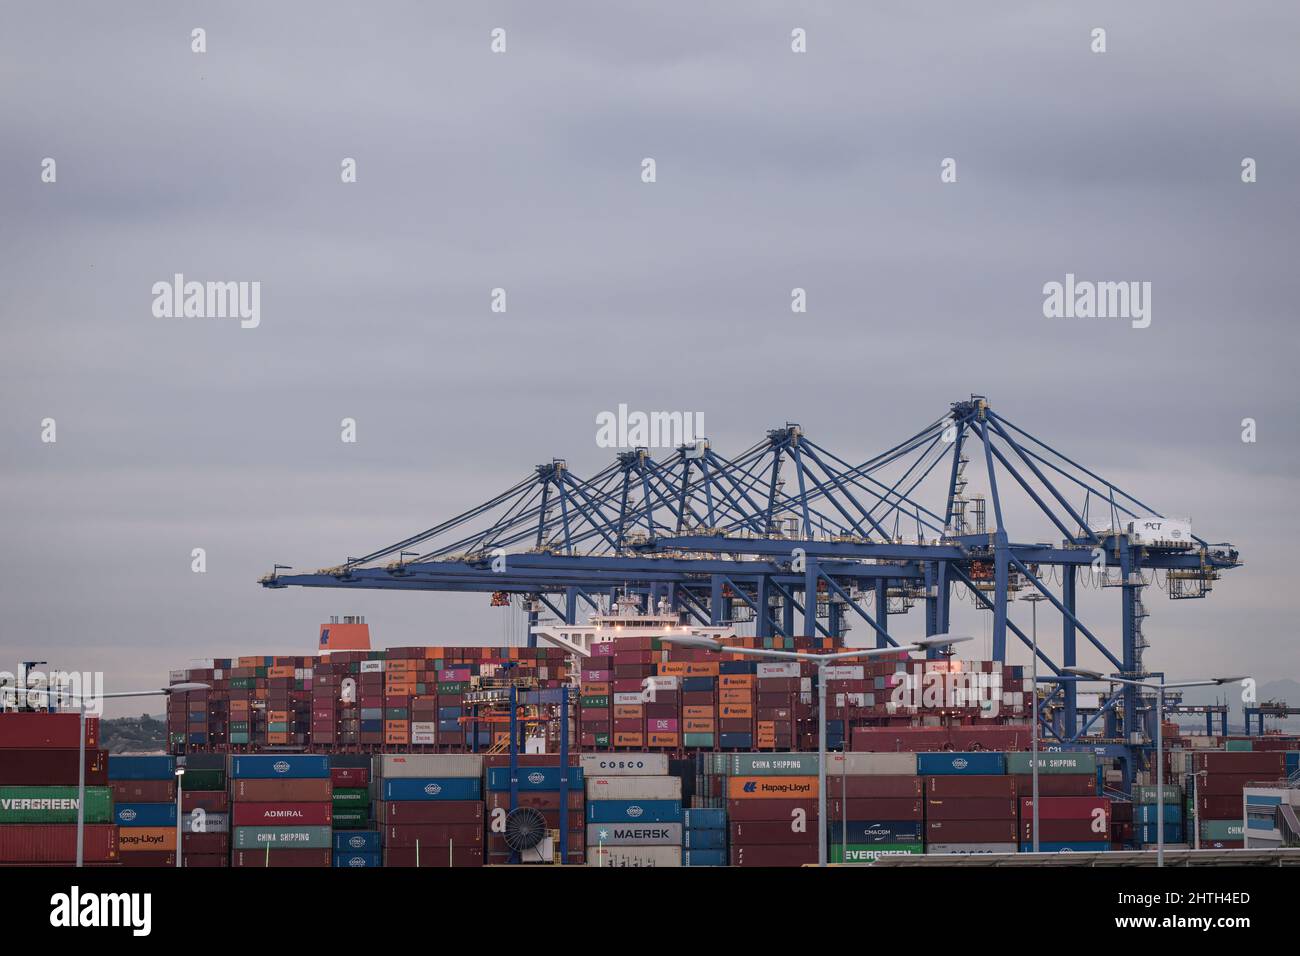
{"x":596,"y":700}
{"x":453,"y":687}
{"x":1146,"y":793}
{"x":697,"y":740}
{"x":203,"y":779}
{"x":1021,"y":762}
{"x":351,"y":819}
{"x":238,"y":737}
{"x":1222,"y":830}
{"x":351,"y":797}
{"x":241,"y":683}
{"x":602,"y":740}
{"x":771,"y":765}
{"x":396,"y":713}
{"x":869,"y":852}
{"x":307,"y":838}
{"x":277,"y":727}
{"x":53,"y":805}
{"x":1238,"y":745}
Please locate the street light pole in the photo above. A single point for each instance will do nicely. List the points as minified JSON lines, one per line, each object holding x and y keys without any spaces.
{"x":1159,"y":687}
{"x":822,"y":661}
{"x":1033,"y":600}
{"x":180,"y":777}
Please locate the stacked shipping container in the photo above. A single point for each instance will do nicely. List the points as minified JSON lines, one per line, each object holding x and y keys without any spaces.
{"x":429,"y":808}
{"x":146,"y":828}
{"x":281,"y":810}
{"x":635,"y":812}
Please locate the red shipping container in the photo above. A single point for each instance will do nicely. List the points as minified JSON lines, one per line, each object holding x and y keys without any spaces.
{"x":44,"y":731}
{"x":51,"y":768}
{"x":873,"y":786}
{"x":431,"y":811}
{"x":251,"y":814}
{"x":149,"y":858}
{"x":201,"y":843}
{"x":771,"y":832}
{"x":1067,"y":808}
{"x":57,"y":843}
{"x":210,"y":801}
{"x":1065,"y":831}
{"x":283,"y":791}
{"x":349,"y":776}
{"x":297,"y":856}
{"x":1262,"y":765}
{"x":785,"y":810}
{"x":1219,"y":808}
{"x":1057,"y":784}
{"x":959,"y":785}
{"x":1225,"y":784}
{"x":971,"y":808}
{"x":431,"y":835}
{"x":872,"y":808}
{"x":971,"y":831}
{"x":207,"y":860}
{"x":434,"y":856}
{"x":144,"y":791}
{"x":773,"y":855}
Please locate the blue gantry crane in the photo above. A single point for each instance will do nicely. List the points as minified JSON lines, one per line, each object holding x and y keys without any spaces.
{"x":799,"y":540}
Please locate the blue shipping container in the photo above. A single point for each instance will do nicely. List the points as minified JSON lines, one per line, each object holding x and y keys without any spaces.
{"x":706,"y":818}
{"x":704,"y":858}
{"x":736,"y":741}
{"x":145,"y":814}
{"x":875,"y":831}
{"x":277,"y":766}
{"x":1146,"y":812}
{"x":692,"y":684}
{"x":705,"y":839}
{"x":433,"y":788}
{"x":372,"y":726}
{"x":449,"y":713}
{"x":450,"y":725}
{"x":1065,"y":847}
{"x":141,"y":768}
{"x":737,"y":667}
{"x":642,"y":811}
{"x":357,"y":841}
{"x":533,"y":778}
{"x":350,"y":859}
{"x":975,"y":762}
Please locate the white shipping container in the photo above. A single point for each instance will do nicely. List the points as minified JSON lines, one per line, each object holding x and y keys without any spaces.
{"x":424,"y":727}
{"x":629,"y":698}
{"x":660,"y":787}
{"x":623,"y":764}
{"x":1176,"y":532}
{"x":372,"y":667}
{"x":634,"y":856}
{"x":969,"y":848}
{"x":871,"y":764}
{"x":633,"y":834}
{"x":389,"y":766}
{"x":423,"y":737}
{"x":178,"y":677}
{"x":779,"y":670}
{"x":667,"y":682}
{"x":203,"y":663}
{"x":845,"y":672}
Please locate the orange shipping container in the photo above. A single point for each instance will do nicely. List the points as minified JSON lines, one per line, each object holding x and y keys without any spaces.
{"x":138,"y":839}
{"x":736,"y":696}
{"x":629,"y":740}
{"x":771,"y":788}
{"x":663,"y":740}
{"x":594,"y":690}
{"x":697,"y":726}
{"x":697,"y":713}
{"x":277,"y":738}
{"x":281,"y":671}
{"x":628,"y":711}
{"x":736,"y":680}
{"x":736,"y":710}
{"x":278,"y":716}
{"x":673,"y":669}
{"x":702,"y":670}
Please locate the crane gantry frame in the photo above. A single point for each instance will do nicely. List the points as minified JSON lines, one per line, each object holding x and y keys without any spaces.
{"x":788,"y":521}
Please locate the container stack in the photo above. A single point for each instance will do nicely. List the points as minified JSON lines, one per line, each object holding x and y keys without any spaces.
{"x":1219,"y":777}
{"x":205,"y":812}
{"x":1146,"y":814}
{"x":357,"y":849}
{"x":596,"y":697}
{"x":1068,"y":824}
{"x":282,"y":810}
{"x":875,"y":806}
{"x":429,"y":808}
{"x":633,"y":661}
{"x":705,"y":837}
{"x":970,"y":802}
{"x":200,"y":719}
{"x":350,"y":782}
{"x":772,"y":808}
{"x":38,"y":791}
{"x":540,"y":784}
{"x":146,"y":828}
{"x":635,"y":809}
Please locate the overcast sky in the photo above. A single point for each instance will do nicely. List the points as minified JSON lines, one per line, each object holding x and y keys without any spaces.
{"x":522,"y":170}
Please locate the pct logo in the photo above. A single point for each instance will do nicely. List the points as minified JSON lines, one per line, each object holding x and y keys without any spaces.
{"x":537,"y":777}
{"x":357,"y":843}
{"x":634,"y":811}
{"x":127,"y":814}
{"x":280,"y":766}
{"x":433,"y":789}
{"x":959,"y":764}
{"x":357,"y":861}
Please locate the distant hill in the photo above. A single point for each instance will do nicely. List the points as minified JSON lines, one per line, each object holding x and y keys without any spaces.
{"x":141,"y":734}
